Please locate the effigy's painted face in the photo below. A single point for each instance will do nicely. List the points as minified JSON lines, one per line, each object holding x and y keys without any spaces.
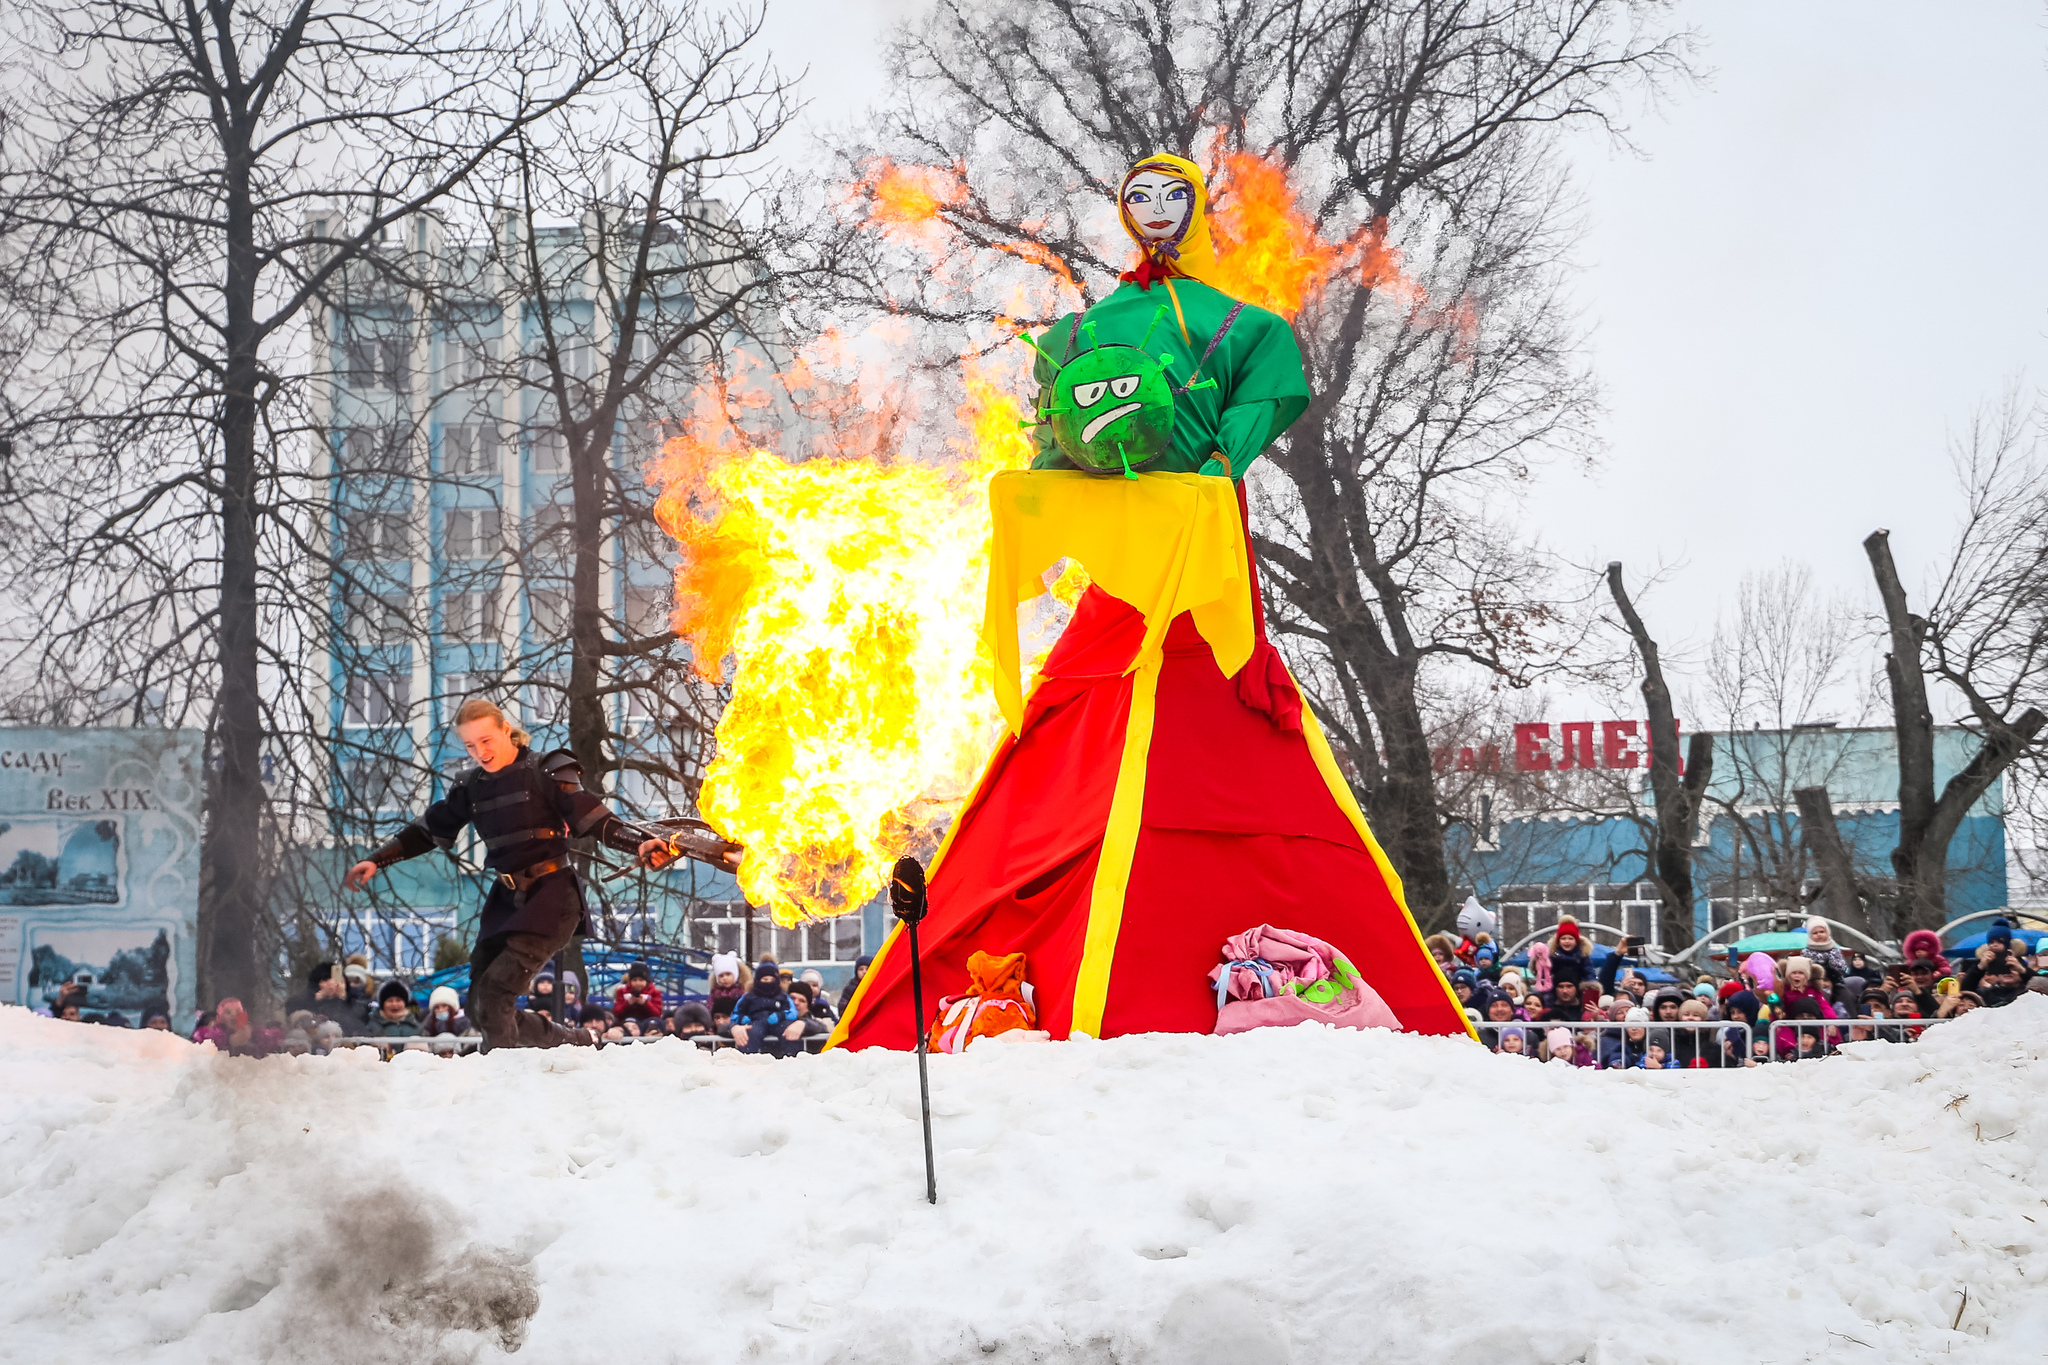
{"x":1159,"y":203}
{"x":1112,"y":409}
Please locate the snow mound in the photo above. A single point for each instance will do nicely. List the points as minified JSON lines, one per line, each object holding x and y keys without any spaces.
{"x":1279,"y":1196}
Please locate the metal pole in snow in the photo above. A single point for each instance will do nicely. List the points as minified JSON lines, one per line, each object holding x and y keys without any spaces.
{"x":907,"y":899}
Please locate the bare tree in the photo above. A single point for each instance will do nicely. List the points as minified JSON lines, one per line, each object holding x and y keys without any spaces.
{"x":656,"y":292}
{"x":1424,"y":128}
{"x":1983,"y":641}
{"x":1677,"y":791}
{"x":184,"y":185}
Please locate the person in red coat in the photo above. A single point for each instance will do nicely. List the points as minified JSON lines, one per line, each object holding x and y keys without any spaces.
{"x":637,"y":997}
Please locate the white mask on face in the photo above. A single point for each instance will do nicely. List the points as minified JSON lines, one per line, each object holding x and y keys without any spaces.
{"x":1159,"y":203}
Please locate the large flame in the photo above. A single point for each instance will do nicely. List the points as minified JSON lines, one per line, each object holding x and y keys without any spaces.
{"x":1269,"y":253}
{"x":848,"y":593}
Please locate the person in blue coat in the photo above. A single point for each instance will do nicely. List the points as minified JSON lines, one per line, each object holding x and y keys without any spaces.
{"x":765,"y":1019}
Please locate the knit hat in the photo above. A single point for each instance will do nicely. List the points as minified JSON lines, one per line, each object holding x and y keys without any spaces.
{"x":318,"y":973}
{"x":1638,"y":1015}
{"x":1560,"y":1039}
{"x":394,"y":990}
{"x":543,"y":975}
{"x":444,"y":995}
{"x":767,"y":967}
{"x":356,"y":971}
{"x":1747,"y":1003}
{"x":637,"y":972}
{"x":1568,"y":926}
{"x":2000,"y":932}
{"x":722,"y":963}
{"x":1464,"y":976}
{"x":693,"y":1013}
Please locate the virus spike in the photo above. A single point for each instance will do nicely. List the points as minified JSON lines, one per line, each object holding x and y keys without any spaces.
{"x":1158,"y":314}
{"x":1032,"y":342}
{"x":1126,"y":459}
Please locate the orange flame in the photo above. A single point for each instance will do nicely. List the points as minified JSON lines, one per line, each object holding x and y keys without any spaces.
{"x":1269,"y":253}
{"x":847,"y":592}
{"x":902,"y":197}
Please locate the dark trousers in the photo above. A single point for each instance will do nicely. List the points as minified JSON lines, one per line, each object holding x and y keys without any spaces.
{"x":774,"y":1044}
{"x":501,"y":970}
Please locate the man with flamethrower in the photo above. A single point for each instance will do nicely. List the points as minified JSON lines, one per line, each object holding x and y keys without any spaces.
{"x":526,"y":809}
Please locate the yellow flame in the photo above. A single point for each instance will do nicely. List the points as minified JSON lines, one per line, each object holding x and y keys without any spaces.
{"x":848,"y":594}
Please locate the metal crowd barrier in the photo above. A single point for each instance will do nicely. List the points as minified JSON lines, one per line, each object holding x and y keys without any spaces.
{"x":1782,"y":1038}
{"x":1788,"y":1036}
{"x":1633,"y":1052}
{"x":452,"y":1044}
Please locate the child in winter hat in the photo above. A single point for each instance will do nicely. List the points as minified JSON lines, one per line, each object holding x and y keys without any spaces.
{"x":444,"y":1013}
{"x":729,"y":981}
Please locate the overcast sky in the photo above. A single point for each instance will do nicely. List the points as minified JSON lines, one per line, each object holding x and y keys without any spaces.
{"x":1829,"y":253}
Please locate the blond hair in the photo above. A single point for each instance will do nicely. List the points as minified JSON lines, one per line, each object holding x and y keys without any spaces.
{"x":482,"y":708}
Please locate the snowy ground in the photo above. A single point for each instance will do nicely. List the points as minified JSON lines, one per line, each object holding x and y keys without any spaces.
{"x":1304,"y":1196}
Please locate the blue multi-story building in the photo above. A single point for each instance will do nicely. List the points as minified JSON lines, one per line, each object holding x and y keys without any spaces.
{"x":1563,"y":825}
{"x":447,"y":463}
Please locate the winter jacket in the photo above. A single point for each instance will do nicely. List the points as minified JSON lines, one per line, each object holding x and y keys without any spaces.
{"x":1831,"y":960}
{"x":1576,"y":1013}
{"x":645,"y":1003}
{"x":1571,"y":966}
{"x":1786,"y":997}
{"x":2000,"y":981}
{"x":351,"y":1012}
{"x":380,"y":1027}
{"x":771,"y":1011}
{"x":1695,"y":1047}
{"x":1929,"y":942}
{"x":436,"y":1026}
{"x":1617,"y":1049}
{"x":262,"y":1041}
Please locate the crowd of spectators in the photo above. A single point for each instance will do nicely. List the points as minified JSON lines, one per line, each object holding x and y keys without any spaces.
{"x":1550,"y":1008}
{"x":1560,"y":1008}
{"x":763,"y":1009}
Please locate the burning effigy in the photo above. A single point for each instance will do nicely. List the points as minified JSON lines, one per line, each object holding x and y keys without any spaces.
{"x":1151,"y":785}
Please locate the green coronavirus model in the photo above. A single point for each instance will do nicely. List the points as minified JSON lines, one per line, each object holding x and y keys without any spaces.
{"x":1112,"y":410}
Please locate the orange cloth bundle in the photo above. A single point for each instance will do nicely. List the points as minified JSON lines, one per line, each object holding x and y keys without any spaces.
{"x":998,"y":1000}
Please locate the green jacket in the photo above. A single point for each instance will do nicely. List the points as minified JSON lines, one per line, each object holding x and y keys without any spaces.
{"x":1260,"y":386}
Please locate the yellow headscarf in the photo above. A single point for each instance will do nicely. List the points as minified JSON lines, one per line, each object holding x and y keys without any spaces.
{"x":1189,"y":256}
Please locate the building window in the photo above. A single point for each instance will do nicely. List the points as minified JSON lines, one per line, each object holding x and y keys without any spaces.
{"x":647,"y":608}
{"x":472,"y":617}
{"x":378,"y":699}
{"x":464,"y":360}
{"x":471,"y":448}
{"x":547,"y":612}
{"x":368,"y":533}
{"x":375,"y":782}
{"x":472,"y":533}
{"x":375,"y":450}
{"x":374,"y":359}
{"x":547,"y":698}
{"x":374,"y":618}
{"x":553,"y":525}
{"x":550,"y":451}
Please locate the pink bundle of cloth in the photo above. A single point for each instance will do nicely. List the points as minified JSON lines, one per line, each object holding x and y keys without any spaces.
{"x":1276,"y":977}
